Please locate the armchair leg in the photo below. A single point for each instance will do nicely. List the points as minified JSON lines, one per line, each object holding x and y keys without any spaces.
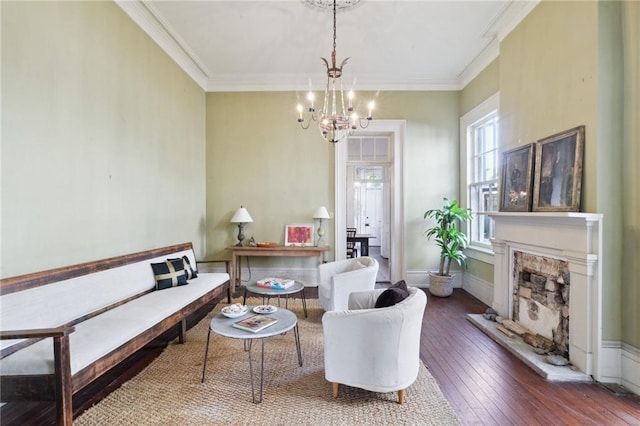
{"x":401,"y":396}
{"x":334,"y":389}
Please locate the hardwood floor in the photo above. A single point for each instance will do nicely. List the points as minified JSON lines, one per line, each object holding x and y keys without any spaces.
{"x":484,"y":383}
{"x":487,"y":385}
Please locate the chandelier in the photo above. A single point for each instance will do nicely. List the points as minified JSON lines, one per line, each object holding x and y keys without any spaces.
{"x":336,"y":120}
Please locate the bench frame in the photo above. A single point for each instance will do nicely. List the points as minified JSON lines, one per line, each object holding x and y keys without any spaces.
{"x":62,"y":384}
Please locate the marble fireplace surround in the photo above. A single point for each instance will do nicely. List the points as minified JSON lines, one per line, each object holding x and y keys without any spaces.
{"x":573,"y":237}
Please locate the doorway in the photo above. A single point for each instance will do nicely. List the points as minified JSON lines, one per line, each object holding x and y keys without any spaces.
{"x":391,"y":226}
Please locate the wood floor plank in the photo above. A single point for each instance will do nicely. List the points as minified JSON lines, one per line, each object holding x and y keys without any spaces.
{"x":478,"y":370}
{"x":483,"y":382}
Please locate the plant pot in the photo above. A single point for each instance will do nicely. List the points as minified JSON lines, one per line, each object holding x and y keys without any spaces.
{"x":440,"y":285}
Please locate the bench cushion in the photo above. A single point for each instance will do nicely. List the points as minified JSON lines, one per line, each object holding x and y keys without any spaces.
{"x":103,"y":333}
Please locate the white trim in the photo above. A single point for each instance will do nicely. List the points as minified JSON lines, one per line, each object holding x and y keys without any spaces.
{"x":492,"y":103}
{"x":420,"y":278}
{"x":631,"y":368}
{"x":143,"y":14}
{"x":396,"y":128}
{"x":480,"y":253}
{"x":611,"y":361}
{"x":480,"y":289}
{"x":479,"y":63}
{"x":146,"y":17}
{"x":620,"y":364}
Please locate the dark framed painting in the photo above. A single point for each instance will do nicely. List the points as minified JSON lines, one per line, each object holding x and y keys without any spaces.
{"x":517,"y":179}
{"x":558,"y":177}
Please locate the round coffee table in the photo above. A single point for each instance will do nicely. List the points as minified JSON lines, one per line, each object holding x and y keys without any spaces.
{"x":223,"y":326}
{"x":267,"y":293}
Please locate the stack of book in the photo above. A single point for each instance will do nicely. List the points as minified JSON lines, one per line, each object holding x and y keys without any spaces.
{"x":275,"y":283}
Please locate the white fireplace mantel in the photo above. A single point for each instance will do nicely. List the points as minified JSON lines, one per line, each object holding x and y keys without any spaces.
{"x":573,"y":237}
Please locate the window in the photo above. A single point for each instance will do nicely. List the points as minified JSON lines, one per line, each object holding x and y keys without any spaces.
{"x":479,"y":134}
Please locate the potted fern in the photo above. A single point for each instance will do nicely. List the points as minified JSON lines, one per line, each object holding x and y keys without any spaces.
{"x":451,"y":240}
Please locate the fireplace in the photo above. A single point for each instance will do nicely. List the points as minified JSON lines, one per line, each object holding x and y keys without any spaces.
{"x":541,"y":291}
{"x":547,"y":278}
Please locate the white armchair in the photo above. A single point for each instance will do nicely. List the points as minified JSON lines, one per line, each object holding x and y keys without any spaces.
{"x":374,"y":349}
{"x":338,"y":279}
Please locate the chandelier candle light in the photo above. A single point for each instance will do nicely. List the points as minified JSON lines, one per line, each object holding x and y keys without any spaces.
{"x":334,"y":124}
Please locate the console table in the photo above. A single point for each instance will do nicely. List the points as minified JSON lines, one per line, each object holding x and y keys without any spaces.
{"x":277,"y":251}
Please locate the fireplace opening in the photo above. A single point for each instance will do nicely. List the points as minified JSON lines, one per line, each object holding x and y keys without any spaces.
{"x":540,"y":301}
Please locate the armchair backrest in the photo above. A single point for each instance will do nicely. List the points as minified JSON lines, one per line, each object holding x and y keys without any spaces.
{"x":375,"y":348}
{"x":338,"y":279}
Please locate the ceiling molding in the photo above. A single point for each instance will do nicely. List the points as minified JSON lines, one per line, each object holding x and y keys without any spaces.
{"x":506,"y":21}
{"x":144,"y":15}
{"x":265,"y":83}
{"x":151,"y":23}
{"x":479,"y":63}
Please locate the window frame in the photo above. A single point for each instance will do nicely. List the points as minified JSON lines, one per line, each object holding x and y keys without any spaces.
{"x":477,"y":250}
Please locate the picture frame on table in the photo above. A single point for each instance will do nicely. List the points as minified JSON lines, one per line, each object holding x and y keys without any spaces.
{"x":299,"y":234}
{"x":558,"y":172}
{"x":516,"y":186}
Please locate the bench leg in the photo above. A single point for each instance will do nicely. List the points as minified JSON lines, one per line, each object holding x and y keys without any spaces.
{"x":183,"y":331}
{"x":64,"y":391}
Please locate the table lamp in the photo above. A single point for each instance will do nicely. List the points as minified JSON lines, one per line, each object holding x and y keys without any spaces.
{"x":320,"y":214}
{"x":241,"y":216}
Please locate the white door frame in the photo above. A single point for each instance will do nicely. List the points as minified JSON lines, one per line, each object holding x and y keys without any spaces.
{"x":396,"y":128}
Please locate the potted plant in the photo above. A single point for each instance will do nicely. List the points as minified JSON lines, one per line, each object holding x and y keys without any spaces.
{"x":451,"y":240}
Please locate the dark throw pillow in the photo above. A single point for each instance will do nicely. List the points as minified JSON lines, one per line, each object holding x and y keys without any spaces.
{"x":394,"y":294}
{"x":169,"y":274}
{"x":189,"y":270}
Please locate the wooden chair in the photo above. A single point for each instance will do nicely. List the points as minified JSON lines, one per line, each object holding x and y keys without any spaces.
{"x":352,"y":251}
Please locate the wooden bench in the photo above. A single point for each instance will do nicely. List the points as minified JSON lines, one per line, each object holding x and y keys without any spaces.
{"x":64,"y":328}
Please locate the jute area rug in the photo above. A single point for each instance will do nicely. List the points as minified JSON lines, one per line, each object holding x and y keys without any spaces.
{"x":169,"y":391}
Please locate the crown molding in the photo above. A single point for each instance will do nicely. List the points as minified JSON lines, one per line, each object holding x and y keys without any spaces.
{"x":146,"y":18}
{"x":292,"y":82}
{"x":506,"y":21}
{"x":144,"y":15}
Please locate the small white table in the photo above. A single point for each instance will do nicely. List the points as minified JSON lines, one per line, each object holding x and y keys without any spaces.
{"x":297,"y":287}
{"x":223,"y":326}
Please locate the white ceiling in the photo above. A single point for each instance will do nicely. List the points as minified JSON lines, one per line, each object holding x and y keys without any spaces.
{"x":276,"y":45}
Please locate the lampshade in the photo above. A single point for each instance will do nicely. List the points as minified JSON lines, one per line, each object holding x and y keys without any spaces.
{"x":241,"y":216}
{"x":321,"y":213}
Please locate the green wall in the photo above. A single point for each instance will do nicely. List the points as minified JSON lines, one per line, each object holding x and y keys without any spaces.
{"x":103,"y":146}
{"x":553,"y":76}
{"x":630,"y":266}
{"x":258,"y":156}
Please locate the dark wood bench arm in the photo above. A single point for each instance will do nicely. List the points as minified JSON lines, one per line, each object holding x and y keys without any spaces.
{"x":37,"y":333}
{"x":227,"y":268}
{"x":62,"y":365}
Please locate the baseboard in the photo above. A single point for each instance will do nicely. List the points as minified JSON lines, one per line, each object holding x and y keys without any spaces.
{"x":610,"y":362}
{"x":631,"y":368}
{"x":620,"y":364}
{"x":421,"y":279}
{"x":478,"y":288}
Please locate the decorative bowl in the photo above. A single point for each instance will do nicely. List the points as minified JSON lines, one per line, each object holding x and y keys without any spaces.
{"x":234,"y":311}
{"x":265,"y":309}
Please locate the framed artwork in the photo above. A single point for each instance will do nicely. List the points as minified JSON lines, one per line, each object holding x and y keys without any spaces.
{"x":558,"y":175}
{"x":517,"y":179}
{"x":298,"y":234}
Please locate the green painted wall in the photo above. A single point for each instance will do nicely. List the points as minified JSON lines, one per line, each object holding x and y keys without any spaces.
{"x":630,"y":291}
{"x":258,"y":156}
{"x":481,"y":87}
{"x":103,"y":146}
